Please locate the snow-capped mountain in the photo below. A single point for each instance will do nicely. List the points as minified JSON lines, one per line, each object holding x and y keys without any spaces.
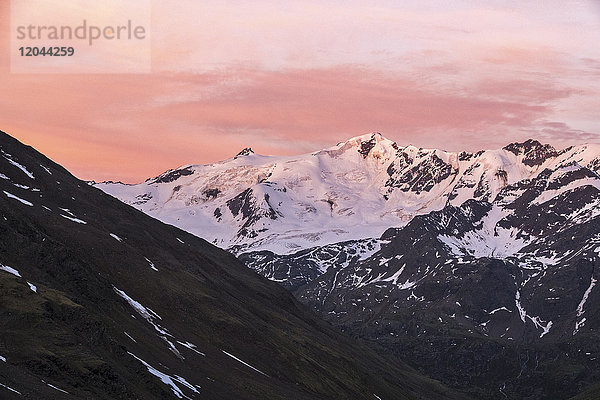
{"x":284,"y":204}
{"x":478,"y":268}
{"x":498,"y":292}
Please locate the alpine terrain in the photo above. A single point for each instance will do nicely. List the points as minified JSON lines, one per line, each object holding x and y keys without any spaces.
{"x":100,"y":301}
{"x":479,"y":269}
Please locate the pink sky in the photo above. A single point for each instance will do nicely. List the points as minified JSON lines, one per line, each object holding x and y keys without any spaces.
{"x":294,"y":77}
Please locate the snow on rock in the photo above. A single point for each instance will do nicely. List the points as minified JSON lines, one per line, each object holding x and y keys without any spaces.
{"x":550,"y":194}
{"x":8,"y":157}
{"x":580,"y":308}
{"x":168,"y":380}
{"x":46,"y":169}
{"x":586,"y":213}
{"x":146,"y":313}
{"x":151,"y":264}
{"x":151,"y":317}
{"x":191,"y":346}
{"x":56,"y":388}
{"x":129,"y":336}
{"x":245,"y":363}
{"x":543,"y":325}
{"x":395,"y":276}
{"x":12,"y":196}
{"x":578,"y":325}
{"x":74,"y":219}
{"x":10,"y":270}
{"x":499,"y":309}
{"x":490,"y":240}
{"x":9,"y":388}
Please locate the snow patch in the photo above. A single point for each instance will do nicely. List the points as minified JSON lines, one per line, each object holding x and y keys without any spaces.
{"x":499,"y":309}
{"x":150,"y":316}
{"x":116,"y":237}
{"x":11,"y":389}
{"x":129,"y":336}
{"x":10,"y":270}
{"x":12,"y":196}
{"x":8,"y":157}
{"x":46,"y":169}
{"x":56,"y":388}
{"x":550,"y":194}
{"x":537,"y":321}
{"x":191,"y":346}
{"x":168,"y":380}
{"x":79,"y":221}
{"x":146,"y":313}
{"x":245,"y":363}
{"x":578,"y":325}
{"x":490,"y":240}
{"x":580,"y":308}
{"x":394,"y":278}
{"x":32,"y":287}
{"x":151,"y":264}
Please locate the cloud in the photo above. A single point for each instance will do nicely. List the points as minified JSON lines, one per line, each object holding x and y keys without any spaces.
{"x":129,"y":127}
{"x":287,"y":80}
{"x":559,"y":132}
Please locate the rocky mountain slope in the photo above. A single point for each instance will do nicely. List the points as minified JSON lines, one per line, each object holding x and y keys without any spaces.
{"x":497,"y":295}
{"x":100,"y":301}
{"x":478,"y":268}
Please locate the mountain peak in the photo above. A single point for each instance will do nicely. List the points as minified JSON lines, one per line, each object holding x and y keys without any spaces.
{"x":535,"y":153}
{"x":245,"y":152}
{"x":367,"y":137}
{"x":369,"y":143}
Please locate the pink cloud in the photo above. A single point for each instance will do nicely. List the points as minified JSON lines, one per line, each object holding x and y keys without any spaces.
{"x":131,"y":127}
{"x":433,"y":78}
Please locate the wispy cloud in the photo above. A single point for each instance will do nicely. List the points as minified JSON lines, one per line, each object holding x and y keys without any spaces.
{"x":287,"y":79}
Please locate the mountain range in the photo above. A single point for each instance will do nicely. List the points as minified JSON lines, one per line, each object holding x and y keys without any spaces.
{"x":477,"y":268}
{"x":284,"y":204}
{"x":100,"y":301}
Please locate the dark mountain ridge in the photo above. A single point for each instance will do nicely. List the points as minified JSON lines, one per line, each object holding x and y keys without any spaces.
{"x":100,"y":301}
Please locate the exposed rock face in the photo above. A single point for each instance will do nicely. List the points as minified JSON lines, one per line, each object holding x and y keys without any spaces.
{"x":245,"y":152}
{"x":533,"y":152}
{"x":171,"y":176}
